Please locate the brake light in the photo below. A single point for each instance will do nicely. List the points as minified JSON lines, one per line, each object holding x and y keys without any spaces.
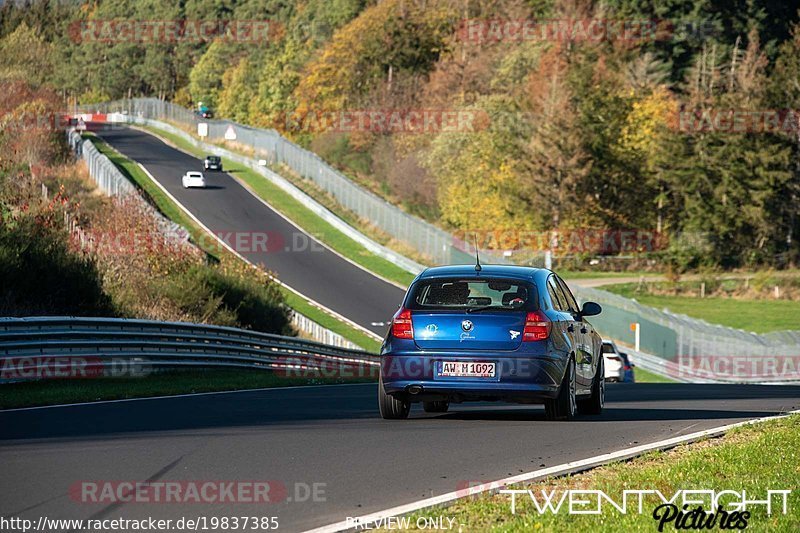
{"x":402,"y":327}
{"x":537,"y":327}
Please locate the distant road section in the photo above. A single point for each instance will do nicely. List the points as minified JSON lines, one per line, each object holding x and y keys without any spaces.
{"x":263,"y":236}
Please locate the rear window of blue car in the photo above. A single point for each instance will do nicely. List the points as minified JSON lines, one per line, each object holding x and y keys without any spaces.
{"x":463,"y":294}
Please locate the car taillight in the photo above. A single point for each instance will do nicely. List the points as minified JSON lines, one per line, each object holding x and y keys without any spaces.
{"x":402,"y":327}
{"x":537,"y":327}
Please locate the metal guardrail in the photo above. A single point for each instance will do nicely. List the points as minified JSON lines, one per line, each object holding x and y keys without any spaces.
{"x":32,"y":343}
{"x":114,"y":183}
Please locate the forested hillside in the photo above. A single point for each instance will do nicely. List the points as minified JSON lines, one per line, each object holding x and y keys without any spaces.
{"x":569,"y":131}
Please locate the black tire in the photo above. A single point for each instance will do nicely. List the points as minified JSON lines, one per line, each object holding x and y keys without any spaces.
{"x":390,"y":407}
{"x":565,"y":405}
{"x":439,"y":406}
{"x":593,"y":405}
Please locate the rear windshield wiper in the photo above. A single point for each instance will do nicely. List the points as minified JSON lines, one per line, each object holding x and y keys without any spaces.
{"x":477,"y":309}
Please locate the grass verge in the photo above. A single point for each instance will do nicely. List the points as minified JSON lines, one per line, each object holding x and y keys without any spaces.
{"x":602,"y":274}
{"x":643,"y":376}
{"x":51,"y":392}
{"x":754,"y":459}
{"x":760,"y":316}
{"x":295,"y":211}
{"x":165,"y":204}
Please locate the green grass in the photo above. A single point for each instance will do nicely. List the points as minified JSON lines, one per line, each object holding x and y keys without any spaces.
{"x":643,"y":376}
{"x":301,"y":215}
{"x":170,"y":209}
{"x":51,"y":392}
{"x":591,"y":274}
{"x":760,"y":316}
{"x":322,"y":318}
{"x":753,"y":458}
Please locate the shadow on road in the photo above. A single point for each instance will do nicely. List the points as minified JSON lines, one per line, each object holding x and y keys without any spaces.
{"x":254,"y":410}
{"x":610,"y":414}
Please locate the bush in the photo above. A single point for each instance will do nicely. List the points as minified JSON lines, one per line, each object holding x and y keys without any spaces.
{"x":40,"y":276}
{"x":226,"y":296}
{"x":254,"y":302}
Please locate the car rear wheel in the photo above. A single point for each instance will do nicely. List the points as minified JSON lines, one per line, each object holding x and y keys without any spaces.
{"x":594,"y":404}
{"x":565,"y":405}
{"x":439,"y":406}
{"x":390,"y":407}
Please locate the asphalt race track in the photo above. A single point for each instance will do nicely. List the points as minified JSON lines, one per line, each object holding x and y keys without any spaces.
{"x":227,"y":208}
{"x":332,"y":436}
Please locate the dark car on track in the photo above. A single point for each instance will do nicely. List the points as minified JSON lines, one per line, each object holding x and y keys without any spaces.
{"x":507,"y":333}
{"x":212,"y":162}
{"x":629,"y":376}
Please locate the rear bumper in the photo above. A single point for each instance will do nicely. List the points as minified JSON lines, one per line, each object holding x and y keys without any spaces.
{"x":519,"y":378}
{"x":614,"y":370}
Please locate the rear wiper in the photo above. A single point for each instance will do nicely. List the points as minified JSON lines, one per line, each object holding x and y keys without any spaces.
{"x":476,"y":309}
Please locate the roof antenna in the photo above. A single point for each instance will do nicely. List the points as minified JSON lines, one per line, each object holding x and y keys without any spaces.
{"x":477,"y":257}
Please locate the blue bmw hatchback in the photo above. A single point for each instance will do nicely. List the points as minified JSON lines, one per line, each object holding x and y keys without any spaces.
{"x":491,"y":333}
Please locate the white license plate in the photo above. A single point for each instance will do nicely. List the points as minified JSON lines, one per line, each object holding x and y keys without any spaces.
{"x":466,"y":369}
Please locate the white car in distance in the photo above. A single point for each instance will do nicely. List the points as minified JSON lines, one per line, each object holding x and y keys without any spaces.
{"x":193,"y":179}
{"x":613,"y":362}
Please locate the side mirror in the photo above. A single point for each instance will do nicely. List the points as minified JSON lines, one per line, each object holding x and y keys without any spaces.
{"x":591,"y":309}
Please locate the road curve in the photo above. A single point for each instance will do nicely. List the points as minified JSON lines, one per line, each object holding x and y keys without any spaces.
{"x":330,"y":436}
{"x":227,"y":208}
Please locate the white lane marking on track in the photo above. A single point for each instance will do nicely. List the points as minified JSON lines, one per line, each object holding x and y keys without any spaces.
{"x":243,"y":258}
{"x":583,"y":464}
